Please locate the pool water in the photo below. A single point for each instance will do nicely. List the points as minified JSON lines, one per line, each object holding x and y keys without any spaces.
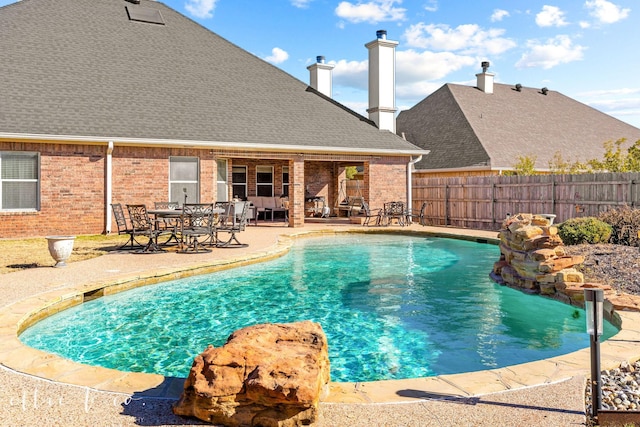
{"x":391,"y":306}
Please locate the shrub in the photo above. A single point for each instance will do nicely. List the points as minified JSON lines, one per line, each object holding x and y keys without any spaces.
{"x":625,"y":223}
{"x":584,"y":230}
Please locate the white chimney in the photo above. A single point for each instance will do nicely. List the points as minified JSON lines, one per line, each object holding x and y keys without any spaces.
{"x":485,"y":80}
{"x":320,"y":76}
{"x":382,"y":81}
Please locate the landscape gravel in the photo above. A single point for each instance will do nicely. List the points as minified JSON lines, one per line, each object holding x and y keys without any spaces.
{"x":619,"y":267}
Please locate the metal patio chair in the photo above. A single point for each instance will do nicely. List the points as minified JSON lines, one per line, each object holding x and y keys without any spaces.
{"x":143,"y":225}
{"x":413,"y":216}
{"x":124,"y":227}
{"x":232,"y":223}
{"x":197,"y":227}
{"x":371,"y":214}
{"x":169,"y":224}
{"x":393,"y":211}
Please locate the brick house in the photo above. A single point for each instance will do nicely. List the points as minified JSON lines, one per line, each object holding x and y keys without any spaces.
{"x":481,"y":130}
{"x":114,"y":101}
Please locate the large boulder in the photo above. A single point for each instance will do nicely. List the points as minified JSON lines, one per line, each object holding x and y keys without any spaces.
{"x":265,"y":375}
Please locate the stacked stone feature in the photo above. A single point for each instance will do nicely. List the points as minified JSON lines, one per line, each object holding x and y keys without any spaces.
{"x":533,"y":258}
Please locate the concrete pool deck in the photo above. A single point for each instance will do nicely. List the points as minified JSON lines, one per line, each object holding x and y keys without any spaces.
{"x":39,"y":388}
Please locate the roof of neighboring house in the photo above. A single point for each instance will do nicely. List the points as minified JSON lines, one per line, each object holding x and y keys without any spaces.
{"x":465,"y":127}
{"x":83,"y":69}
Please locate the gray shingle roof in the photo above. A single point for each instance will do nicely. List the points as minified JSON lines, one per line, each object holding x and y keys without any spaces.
{"x":83,"y":68}
{"x":463,"y":127}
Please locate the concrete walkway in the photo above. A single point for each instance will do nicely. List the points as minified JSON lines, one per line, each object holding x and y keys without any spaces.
{"x":37,"y":388}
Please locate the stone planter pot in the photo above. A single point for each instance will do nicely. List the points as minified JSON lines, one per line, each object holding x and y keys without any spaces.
{"x":60,"y":248}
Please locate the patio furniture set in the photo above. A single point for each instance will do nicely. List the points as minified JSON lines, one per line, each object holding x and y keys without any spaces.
{"x":193,"y":228}
{"x":390,"y":212}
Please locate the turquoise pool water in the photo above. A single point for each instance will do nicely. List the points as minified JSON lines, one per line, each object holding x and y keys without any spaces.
{"x":391,"y":306}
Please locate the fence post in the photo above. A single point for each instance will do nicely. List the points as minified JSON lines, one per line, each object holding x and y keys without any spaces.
{"x":446,"y":204}
{"x":553,"y":194}
{"x":493,"y":201}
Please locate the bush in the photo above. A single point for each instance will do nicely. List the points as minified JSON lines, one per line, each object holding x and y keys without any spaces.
{"x":584,"y":230}
{"x":625,"y":223}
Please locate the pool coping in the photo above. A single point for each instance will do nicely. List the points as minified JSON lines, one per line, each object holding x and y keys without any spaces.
{"x":19,"y":315}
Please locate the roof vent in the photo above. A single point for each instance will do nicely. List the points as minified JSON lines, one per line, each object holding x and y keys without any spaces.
{"x":519,"y":87}
{"x":320,"y":59}
{"x":134,"y":1}
{"x":485,"y":66}
{"x":144,"y":14}
{"x":544,"y":90}
{"x":381,"y":34}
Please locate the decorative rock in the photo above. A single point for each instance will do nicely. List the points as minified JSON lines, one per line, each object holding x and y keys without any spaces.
{"x":267,"y":375}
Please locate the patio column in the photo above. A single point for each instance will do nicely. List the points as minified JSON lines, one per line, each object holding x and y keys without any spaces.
{"x":296,"y":191}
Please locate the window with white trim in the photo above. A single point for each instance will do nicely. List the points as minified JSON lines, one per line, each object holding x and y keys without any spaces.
{"x":285,"y":180}
{"x":264,"y":181}
{"x":222,"y":182}
{"x":19,"y":181}
{"x":239,"y":181}
{"x":184,"y":174}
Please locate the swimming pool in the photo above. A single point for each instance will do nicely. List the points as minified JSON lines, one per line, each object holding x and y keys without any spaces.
{"x":391,"y":306}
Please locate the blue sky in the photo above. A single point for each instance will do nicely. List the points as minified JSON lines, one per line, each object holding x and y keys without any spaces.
{"x":585,"y":49}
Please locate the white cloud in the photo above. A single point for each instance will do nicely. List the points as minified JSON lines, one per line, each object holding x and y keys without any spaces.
{"x":431,"y":6}
{"x":201,"y":8}
{"x":468,"y":39}
{"x":498,"y":15}
{"x":420,"y":73}
{"x":612,"y":92}
{"x":351,"y":73}
{"x":417,"y":73}
{"x":412,"y":66}
{"x":550,"y":16}
{"x":556,"y":51}
{"x":372,"y":12}
{"x":301,"y":3}
{"x":278,"y":56}
{"x":606,"y":12}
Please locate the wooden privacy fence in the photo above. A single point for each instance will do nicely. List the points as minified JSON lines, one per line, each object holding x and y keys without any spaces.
{"x":484,"y":202}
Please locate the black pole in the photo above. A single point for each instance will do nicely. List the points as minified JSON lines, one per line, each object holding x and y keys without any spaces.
{"x":595,"y":373}
{"x":597,"y":298}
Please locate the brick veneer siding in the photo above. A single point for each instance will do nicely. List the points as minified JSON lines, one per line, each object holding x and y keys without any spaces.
{"x":71,"y":192}
{"x":72,"y":182}
{"x":385,"y":179}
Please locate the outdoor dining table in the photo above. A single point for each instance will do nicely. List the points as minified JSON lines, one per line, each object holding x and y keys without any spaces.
{"x":175,"y":214}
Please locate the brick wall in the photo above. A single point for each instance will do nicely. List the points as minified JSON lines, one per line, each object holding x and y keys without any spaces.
{"x":73,"y":182}
{"x":385,"y":179}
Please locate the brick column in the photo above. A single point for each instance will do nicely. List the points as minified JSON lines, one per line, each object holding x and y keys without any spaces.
{"x":296,"y":191}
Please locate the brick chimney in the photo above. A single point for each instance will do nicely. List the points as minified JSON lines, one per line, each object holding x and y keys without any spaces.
{"x":485,"y":80}
{"x":382,"y":81}
{"x":320,"y":76}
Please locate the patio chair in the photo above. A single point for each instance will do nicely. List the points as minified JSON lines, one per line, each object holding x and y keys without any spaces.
{"x":196,"y":222}
{"x":124,"y":227}
{"x":143,"y":225}
{"x":232,"y":223}
{"x":169,"y":224}
{"x":371,"y":214}
{"x":417,"y":216}
{"x":393,"y":211}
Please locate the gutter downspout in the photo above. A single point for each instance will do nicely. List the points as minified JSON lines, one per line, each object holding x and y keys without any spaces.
{"x":108,"y":186}
{"x":410,"y":185}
